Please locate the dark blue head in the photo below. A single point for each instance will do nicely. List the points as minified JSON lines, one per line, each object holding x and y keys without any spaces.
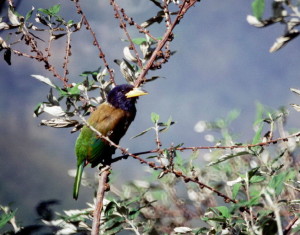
{"x":124,"y":97}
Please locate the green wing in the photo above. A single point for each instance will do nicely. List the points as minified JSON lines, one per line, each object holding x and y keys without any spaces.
{"x":89,"y":148}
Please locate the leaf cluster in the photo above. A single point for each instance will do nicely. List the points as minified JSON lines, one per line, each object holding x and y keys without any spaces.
{"x":283,"y":12}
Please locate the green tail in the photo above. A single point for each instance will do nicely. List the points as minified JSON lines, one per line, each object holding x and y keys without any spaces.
{"x":78,"y":180}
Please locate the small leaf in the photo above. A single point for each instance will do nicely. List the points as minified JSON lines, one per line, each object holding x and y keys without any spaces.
{"x":3,"y":25}
{"x":52,"y":110}
{"x":166,"y":125}
{"x":296,"y":107}
{"x":142,"y":133}
{"x":297,"y":91}
{"x":283,"y":40}
{"x":257,"y":179}
{"x":224,"y":211}
{"x":13,"y":17}
{"x":154,"y":118}
{"x":59,"y":123}
{"x":74,"y":90}
{"x":277,"y":182}
{"x":5,"y":218}
{"x":228,"y":156}
{"x":139,"y":41}
{"x":258,"y":8}
{"x":128,"y":55}
{"x":29,"y":14}
{"x":182,"y":230}
{"x":252,"y":20}
{"x":236,"y":189}
{"x":257,"y":137}
{"x":44,"y":80}
{"x":55,"y":9}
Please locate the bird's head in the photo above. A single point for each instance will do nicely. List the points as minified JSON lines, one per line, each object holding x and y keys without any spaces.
{"x":124,"y":96}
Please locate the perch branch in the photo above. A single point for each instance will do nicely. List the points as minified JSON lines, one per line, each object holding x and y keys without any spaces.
{"x":102,"y":187}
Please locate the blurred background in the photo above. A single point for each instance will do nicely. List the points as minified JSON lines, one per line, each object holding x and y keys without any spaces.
{"x":222,"y":63}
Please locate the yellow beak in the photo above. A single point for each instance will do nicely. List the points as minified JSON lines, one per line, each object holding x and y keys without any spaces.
{"x":135,"y":92}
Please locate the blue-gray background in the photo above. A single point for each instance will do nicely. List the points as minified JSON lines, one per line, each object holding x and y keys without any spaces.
{"x":222,"y":63}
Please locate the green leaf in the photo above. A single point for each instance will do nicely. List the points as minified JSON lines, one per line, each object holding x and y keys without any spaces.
{"x":55,"y":9}
{"x":142,"y":133}
{"x":45,"y":11}
{"x":87,"y":73}
{"x":235,"y":189}
{"x":232,"y":115}
{"x":166,"y":125}
{"x":226,"y":157}
{"x":277,"y":182}
{"x":296,"y":229}
{"x":74,"y":90}
{"x":70,"y":22}
{"x":52,"y":11}
{"x":36,"y":112}
{"x":257,"y":137}
{"x":224,"y":211}
{"x":258,"y":8}
{"x":154,"y":118}
{"x":257,"y":179}
{"x":29,"y":14}
{"x":254,"y":200}
{"x":133,"y":214}
{"x":139,"y":41}
{"x":5,"y":218}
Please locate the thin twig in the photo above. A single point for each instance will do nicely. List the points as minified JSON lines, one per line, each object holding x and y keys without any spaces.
{"x":123,"y":25}
{"x":290,"y":225}
{"x":95,"y":42}
{"x":167,"y":36}
{"x":68,"y":53}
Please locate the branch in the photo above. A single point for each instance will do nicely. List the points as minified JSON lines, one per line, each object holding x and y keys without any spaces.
{"x":102,"y":187}
{"x":167,"y":37}
{"x":95,"y":42}
{"x":290,"y":225}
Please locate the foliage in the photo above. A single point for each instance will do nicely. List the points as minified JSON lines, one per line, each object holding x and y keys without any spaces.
{"x":229,"y":187}
{"x":283,"y":12}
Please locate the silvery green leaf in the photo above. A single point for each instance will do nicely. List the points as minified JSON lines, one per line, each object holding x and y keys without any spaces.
{"x":295,"y":91}
{"x":156,"y":19}
{"x":144,"y":46}
{"x":296,"y":107}
{"x":141,"y":183}
{"x":252,"y":20}
{"x":59,"y":123}
{"x":3,"y":25}
{"x":102,"y":74}
{"x":56,"y":111}
{"x":127,"y":71}
{"x":182,"y":230}
{"x":227,"y":156}
{"x":96,"y":100}
{"x":128,"y":55}
{"x":283,"y":40}
{"x":13,"y":18}
{"x":44,"y":80}
{"x":3,"y":44}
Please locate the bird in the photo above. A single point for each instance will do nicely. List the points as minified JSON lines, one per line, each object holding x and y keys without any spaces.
{"x":112,"y":119}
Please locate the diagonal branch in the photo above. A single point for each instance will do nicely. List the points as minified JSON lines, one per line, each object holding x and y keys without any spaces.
{"x":167,"y":37}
